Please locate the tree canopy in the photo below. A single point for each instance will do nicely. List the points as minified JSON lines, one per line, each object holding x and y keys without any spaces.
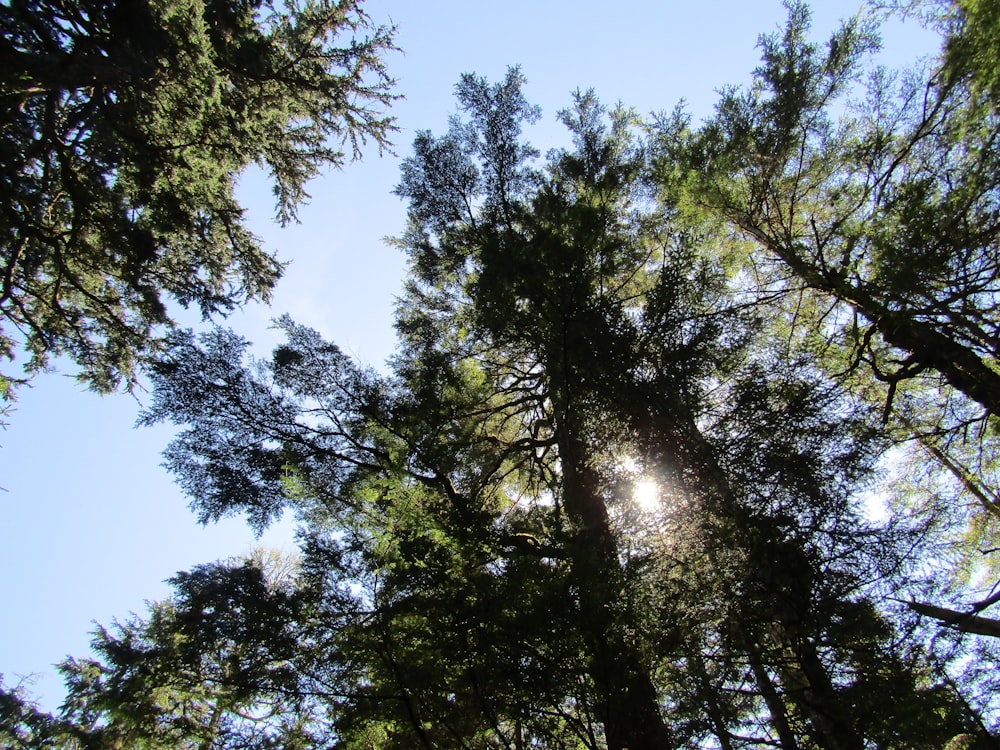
{"x":866,"y":206}
{"x":611,"y":491}
{"x":125,"y":127}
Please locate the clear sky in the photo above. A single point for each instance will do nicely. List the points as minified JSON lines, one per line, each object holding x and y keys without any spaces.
{"x":91,"y":525}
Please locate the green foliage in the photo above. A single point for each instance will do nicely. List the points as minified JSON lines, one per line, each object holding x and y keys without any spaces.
{"x":125,"y":127}
{"x":560,"y":329}
{"x":713,"y":310}
{"x":22,"y":725}
{"x":215,"y":666}
{"x":973,"y":49}
{"x":867,"y":206}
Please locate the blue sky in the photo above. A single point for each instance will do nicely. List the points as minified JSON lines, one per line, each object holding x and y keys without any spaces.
{"x":91,"y":525}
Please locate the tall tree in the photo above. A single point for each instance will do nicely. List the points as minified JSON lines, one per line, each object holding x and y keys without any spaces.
{"x":124,"y":128}
{"x":212,"y":667}
{"x":867,"y":204}
{"x":215,"y":666}
{"x":560,"y":335}
{"x":890,"y":210}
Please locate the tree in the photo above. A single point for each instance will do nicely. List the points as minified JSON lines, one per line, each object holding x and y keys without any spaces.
{"x":125,"y":127}
{"x":867,"y":206}
{"x":888,"y":211}
{"x":973,"y":46}
{"x":476,"y":568}
{"x":561,"y":333}
{"x":214,"y":666}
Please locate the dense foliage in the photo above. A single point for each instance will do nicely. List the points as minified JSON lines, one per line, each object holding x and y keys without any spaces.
{"x":611,"y":492}
{"x":124,"y":128}
{"x":867,"y":208}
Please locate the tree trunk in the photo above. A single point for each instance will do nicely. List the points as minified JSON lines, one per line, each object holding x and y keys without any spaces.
{"x":761,"y":630}
{"x":628,"y":705}
{"x":960,"y":366}
{"x":709,"y":695}
{"x":774,"y":702}
{"x":808,"y":684}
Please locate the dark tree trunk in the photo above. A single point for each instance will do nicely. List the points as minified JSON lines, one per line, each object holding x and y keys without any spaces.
{"x":960,"y":366}
{"x":775,"y":703}
{"x":629,"y":706}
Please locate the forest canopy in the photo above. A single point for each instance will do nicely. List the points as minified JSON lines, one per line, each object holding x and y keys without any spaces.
{"x":125,"y":128}
{"x":614,"y":488}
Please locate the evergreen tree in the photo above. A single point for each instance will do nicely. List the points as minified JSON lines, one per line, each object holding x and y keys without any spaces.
{"x":869,"y":206}
{"x":608,"y":495}
{"x":125,"y":127}
{"x":866,"y":204}
{"x":561,"y":336}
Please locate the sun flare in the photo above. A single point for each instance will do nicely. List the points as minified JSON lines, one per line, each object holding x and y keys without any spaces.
{"x":646,"y":494}
{"x":645,"y":490}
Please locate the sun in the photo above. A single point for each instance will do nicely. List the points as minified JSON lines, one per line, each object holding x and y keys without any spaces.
{"x":646,"y":494}
{"x":645,"y":490}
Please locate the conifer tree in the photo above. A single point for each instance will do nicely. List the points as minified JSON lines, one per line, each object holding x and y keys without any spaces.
{"x":125,"y":127}
{"x":868,"y":202}
{"x":609,"y":493}
{"x":561,"y":337}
